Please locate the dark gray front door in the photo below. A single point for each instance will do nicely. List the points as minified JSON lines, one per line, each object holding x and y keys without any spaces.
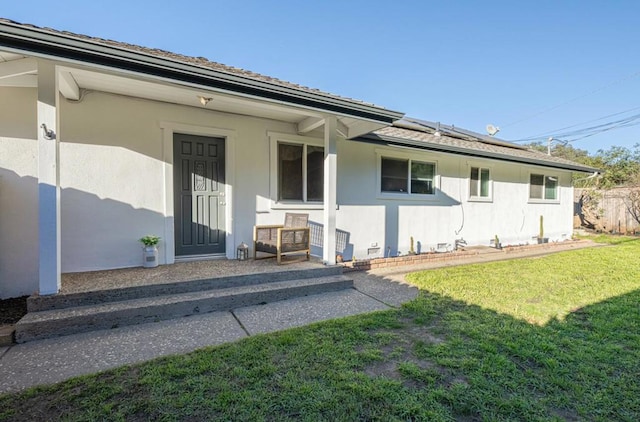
{"x":199,"y":194}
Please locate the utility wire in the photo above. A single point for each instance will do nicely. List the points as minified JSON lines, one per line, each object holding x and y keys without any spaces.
{"x":589,"y":131}
{"x":598,"y":128}
{"x":546,"y":110}
{"x":551,"y":132}
{"x":605,"y":130}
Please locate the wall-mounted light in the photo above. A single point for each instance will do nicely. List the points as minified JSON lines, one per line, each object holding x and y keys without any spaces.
{"x":48,"y":133}
{"x":204,"y":100}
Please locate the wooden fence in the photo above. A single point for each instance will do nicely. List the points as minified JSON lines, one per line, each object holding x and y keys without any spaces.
{"x":604,"y":210}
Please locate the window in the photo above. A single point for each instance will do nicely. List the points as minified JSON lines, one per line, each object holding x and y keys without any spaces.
{"x":300,"y":172}
{"x":405,"y":175}
{"x":543,"y":187}
{"x":315,"y":173}
{"x":394,"y":175}
{"x":479,"y":184}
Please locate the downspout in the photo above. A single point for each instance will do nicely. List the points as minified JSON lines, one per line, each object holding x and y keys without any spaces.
{"x":595,"y":173}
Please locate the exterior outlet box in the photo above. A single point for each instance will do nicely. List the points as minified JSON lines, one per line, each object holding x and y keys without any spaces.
{"x":373,"y":251}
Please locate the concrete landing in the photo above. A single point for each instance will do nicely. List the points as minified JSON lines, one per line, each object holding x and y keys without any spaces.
{"x":54,"y":360}
{"x":301,"y":311}
{"x":74,"y":320}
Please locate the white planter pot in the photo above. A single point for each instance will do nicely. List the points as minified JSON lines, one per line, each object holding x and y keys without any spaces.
{"x":149,"y":257}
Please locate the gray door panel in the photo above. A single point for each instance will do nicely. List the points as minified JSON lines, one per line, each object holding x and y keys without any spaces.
{"x":199,"y":198}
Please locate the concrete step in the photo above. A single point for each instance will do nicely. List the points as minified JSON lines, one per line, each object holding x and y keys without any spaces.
{"x":6,"y":335}
{"x":69,"y":300}
{"x":112,"y":314}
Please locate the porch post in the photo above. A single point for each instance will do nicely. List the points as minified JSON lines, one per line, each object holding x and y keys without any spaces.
{"x":330,"y":194}
{"x":48,"y":180}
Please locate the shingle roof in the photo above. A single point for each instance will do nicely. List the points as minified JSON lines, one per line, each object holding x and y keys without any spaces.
{"x":407,"y":132}
{"x":418,"y":133}
{"x":200,"y":62}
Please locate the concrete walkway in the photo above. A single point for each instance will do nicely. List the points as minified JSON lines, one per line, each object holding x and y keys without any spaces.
{"x":54,"y":360}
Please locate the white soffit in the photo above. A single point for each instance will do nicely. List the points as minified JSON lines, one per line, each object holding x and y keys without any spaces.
{"x":5,"y":56}
{"x":74,"y":79}
{"x":171,"y":93}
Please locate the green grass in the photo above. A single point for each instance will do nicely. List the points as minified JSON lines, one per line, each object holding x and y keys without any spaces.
{"x":457,"y":352}
{"x":541,"y":289}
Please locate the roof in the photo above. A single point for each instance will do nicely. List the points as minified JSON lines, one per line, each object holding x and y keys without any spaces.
{"x":68,"y":46}
{"x":421,"y":134}
{"x":48,"y":42}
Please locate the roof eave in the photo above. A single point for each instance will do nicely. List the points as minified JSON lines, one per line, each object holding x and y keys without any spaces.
{"x":61,"y":46}
{"x":390,"y":140}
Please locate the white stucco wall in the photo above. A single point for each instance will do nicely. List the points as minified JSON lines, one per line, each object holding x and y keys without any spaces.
{"x":18,"y":192}
{"x":390,"y":223}
{"x":114,"y":176}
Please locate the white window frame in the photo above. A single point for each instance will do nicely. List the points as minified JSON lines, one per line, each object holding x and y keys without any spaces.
{"x":544,"y":180}
{"x":472,"y":196}
{"x":276,"y":138}
{"x":419,"y":157}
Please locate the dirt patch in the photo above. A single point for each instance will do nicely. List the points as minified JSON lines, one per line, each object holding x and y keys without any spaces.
{"x":566,"y":414}
{"x":388,"y":369}
{"x":11,"y":310}
{"x":423,"y":333}
{"x":401,"y":351}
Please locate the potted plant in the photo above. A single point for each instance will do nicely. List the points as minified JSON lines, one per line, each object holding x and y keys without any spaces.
{"x":150,"y":251}
{"x":541,"y":238}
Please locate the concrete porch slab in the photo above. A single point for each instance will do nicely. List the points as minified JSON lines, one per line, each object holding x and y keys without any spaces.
{"x":178,"y":272}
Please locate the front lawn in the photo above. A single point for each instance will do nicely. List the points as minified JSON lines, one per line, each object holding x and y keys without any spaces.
{"x":538,"y":290}
{"x":551,"y":338}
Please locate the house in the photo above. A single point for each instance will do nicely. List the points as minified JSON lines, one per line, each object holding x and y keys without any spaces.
{"x":102,"y":142}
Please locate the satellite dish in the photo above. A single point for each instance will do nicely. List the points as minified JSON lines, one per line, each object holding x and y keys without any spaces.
{"x":492,"y":130}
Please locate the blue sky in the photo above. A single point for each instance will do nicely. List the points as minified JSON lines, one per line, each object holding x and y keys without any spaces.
{"x":529,"y":67}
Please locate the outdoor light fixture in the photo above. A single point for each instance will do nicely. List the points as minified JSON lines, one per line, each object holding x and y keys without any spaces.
{"x":48,"y":134}
{"x":204,"y":100}
{"x":242,"y":253}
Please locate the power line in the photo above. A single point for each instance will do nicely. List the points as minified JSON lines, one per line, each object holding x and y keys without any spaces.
{"x":551,"y":132}
{"x":605,"y":130}
{"x":598,"y":128}
{"x":589,"y":131}
{"x":633,"y":75}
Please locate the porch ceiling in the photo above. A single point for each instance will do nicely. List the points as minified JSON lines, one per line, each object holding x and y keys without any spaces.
{"x":77,"y":81}
{"x":5,"y":56}
{"x":189,"y":96}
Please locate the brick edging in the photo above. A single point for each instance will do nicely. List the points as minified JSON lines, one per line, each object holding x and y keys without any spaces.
{"x":375,"y":263}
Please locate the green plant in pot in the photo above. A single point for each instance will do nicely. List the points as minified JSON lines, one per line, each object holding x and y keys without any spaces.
{"x":541,"y":238}
{"x":150,"y":240}
{"x":150,"y":250}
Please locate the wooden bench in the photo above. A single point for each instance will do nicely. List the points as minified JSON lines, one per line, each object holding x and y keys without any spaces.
{"x":291,"y":237}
